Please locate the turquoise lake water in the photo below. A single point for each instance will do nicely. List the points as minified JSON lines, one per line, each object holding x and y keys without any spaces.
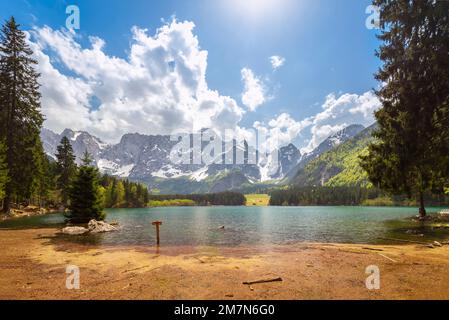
{"x":250,"y":225}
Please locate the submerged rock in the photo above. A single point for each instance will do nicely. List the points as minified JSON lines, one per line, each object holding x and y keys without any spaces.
{"x":438,"y":244}
{"x":75,"y":230}
{"x":100,"y":226}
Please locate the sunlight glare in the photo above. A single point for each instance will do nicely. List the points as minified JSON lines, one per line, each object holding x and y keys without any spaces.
{"x":258,"y":10}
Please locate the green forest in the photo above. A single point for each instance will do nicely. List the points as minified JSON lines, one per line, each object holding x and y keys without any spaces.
{"x":214,"y":199}
{"x":347,"y":196}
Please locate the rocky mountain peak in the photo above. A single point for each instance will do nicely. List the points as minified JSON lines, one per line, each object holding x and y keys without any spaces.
{"x":146,"y":158}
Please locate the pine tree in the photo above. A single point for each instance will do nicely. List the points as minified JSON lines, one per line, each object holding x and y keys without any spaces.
{"x":20,"y":116}
{"x":3,"y":171}
{"x":86,"y":198}
{"x":40,"y":186}
{"x":119,"y":195}
{"x":66,"y":168}
{"x":411,"y":153}
{"x":108,"y":201}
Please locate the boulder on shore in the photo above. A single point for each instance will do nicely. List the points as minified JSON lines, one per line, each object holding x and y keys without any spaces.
{"x":95,"y":226}
{"x":75,"y":230}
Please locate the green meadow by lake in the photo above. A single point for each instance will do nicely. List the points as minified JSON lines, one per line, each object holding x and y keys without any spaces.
{"x":251,"y":225}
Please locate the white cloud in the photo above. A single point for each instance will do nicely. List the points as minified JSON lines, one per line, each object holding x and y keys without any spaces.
{"x":254,"y":92}
{"x":282,"y":130}
{"x":277,"y":62}
{"x":340,"y":112}
{"x":160,"y":88}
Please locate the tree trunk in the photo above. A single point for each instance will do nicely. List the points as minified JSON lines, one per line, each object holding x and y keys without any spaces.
{"x":422,"y":209}
{"x":10,"y":135}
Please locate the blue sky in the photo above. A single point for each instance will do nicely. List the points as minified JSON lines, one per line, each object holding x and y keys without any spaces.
{"x":325,"y":43}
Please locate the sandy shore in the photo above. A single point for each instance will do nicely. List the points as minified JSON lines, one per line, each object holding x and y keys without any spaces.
{"x":33,"y":266}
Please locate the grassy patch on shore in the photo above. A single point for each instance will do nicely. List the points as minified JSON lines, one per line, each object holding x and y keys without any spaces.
{"x":259,"y":200}
{"x":389,"y":202}
{"x":172,"y":203}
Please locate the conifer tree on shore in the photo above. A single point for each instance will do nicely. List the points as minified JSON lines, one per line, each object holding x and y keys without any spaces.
{"x":20,"y":117}
{"x":411,"y":154}
{"x":66,"y":168}
{"x":3,"y":171}
{"x":41,"y":183}
{"x":86,"y":199}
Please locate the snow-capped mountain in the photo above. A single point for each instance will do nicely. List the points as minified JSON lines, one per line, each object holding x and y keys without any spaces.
{"x":80,"y":140}
{"x":146,"y":159}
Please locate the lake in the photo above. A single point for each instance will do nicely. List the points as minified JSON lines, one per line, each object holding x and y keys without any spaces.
{"x":250,"y":225}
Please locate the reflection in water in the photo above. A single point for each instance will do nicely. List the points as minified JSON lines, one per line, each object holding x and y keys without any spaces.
{"x":249,"y":225}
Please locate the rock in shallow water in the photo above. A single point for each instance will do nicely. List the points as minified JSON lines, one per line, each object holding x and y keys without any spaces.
{"x":100,"y":226}
{"x":92,"y":227}
{"x":74,"y":230}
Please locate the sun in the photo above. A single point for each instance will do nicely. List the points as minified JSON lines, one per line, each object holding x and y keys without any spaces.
{"x":258,"y":10}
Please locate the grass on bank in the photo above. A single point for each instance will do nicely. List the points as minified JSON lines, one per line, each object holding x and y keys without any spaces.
{"x":257,"y":200}
{"x":172,"y":203}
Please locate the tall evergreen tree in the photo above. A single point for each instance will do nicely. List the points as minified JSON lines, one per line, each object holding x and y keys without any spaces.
{"x":66,"y":168}
{"x":3,"y":171}
{"x":108,"y":196}
{"x":411,"y":153}
{"x":119,"y":194}
{"x":86,"y":198}
{"x":20,"y":116}
{"x":41,"y":184}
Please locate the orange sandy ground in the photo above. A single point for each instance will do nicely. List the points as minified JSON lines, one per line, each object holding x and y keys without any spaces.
{"x":33,"y":266}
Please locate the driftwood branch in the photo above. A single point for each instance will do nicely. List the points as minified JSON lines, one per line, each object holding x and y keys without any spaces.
{"x":387,"y":257}
{"x":372,"y":249}
{"x":263,"y":281}
{"x":402,"y":240}
{"x":140,"y":268}
{"x":199,"y":259}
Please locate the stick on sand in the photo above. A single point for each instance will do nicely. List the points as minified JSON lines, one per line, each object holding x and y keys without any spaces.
{"x":263,"y":281}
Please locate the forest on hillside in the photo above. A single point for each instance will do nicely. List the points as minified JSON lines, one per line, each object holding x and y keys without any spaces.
{"x":347,"y":196}
{"x":216,"y":199}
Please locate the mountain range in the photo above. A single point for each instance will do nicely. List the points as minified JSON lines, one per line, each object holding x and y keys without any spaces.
{"x":339,"y":166}
{"x":146,"y":159}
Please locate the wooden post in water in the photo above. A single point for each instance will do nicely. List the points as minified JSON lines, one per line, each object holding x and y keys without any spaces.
{"x":157,"y":224}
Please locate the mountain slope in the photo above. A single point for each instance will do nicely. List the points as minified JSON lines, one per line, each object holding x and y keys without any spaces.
{"x":339,"y":166}
{"x":330,"y":143}
{"x":80,"y":140}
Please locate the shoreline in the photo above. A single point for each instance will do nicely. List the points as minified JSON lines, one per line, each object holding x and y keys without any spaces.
{"x":33,"y":266}
{"x":30,"y":211}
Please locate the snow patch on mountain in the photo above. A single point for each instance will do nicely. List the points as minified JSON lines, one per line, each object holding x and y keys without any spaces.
{"x":169,"y":172}
{"x":200,"y":174}
{"x":125,"y":171}
{"x":75,"y":135}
